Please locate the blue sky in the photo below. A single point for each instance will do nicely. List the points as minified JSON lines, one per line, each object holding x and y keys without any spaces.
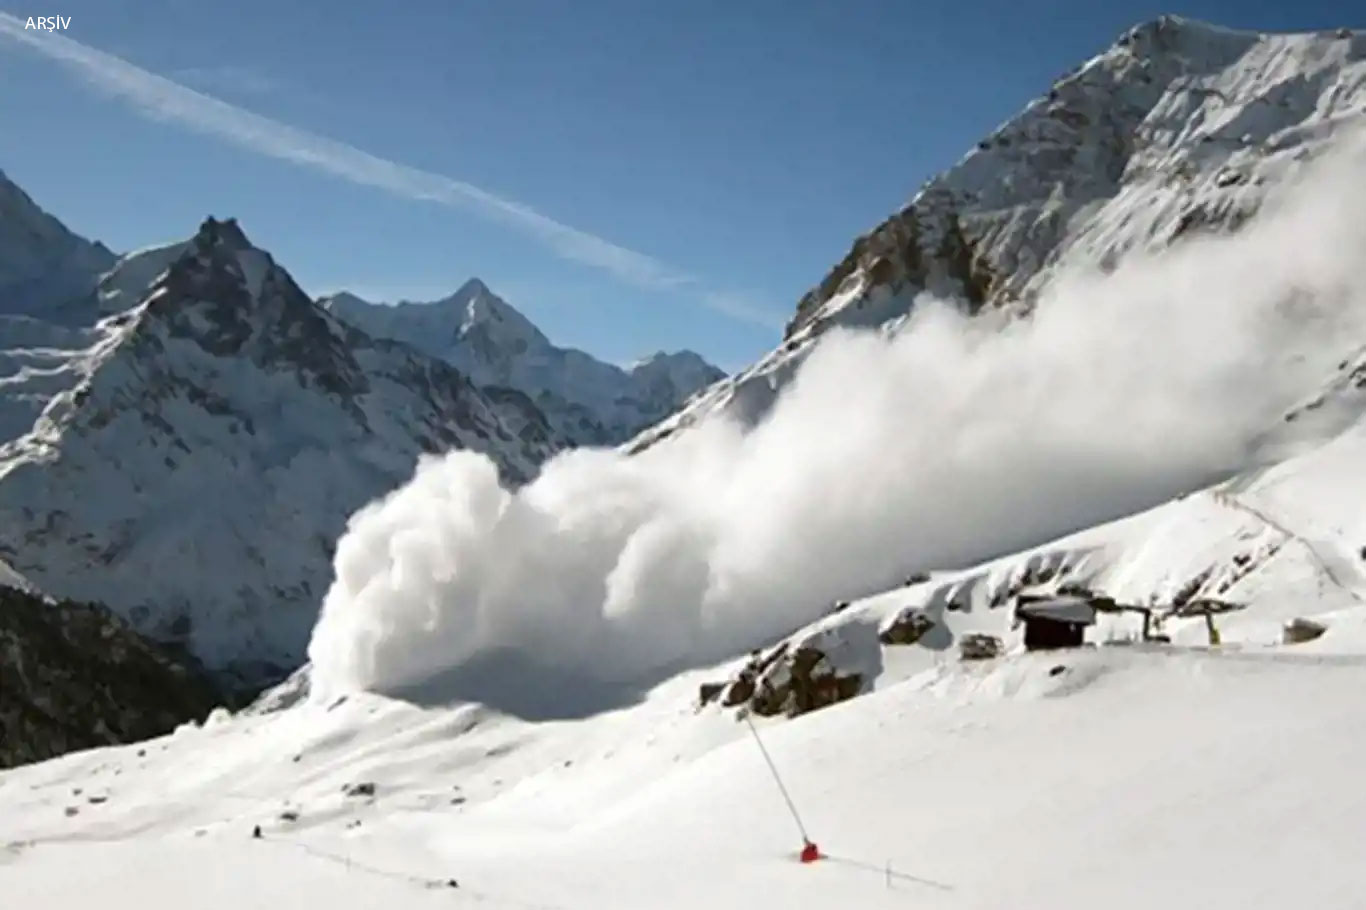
{"x":692,"y":167}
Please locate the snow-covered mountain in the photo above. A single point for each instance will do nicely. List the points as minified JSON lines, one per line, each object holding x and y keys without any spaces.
{"x":202,"y":449}
{"x":46,"y":272}
{"x":586,"y":400}
{"x":42,"y":264}
{"x":1178,"y":128}
{"x":1201,"y":748}
{"x":1227,"y":773}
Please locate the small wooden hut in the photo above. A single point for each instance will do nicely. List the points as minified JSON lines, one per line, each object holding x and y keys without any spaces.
{"x":1054,"y":622}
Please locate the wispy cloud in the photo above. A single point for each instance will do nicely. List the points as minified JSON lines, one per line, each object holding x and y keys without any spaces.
{"x":162,"y":99}
{"x":229,"y":78}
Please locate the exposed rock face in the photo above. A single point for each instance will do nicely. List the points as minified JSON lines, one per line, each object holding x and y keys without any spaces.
{"x":906,"y":627}
{"x":819,"y":669}
{"x":75,"y":676}
{"x":585,"y":400}
{"x":803,"y":680}
{"x":1176,"y":129}
{"x":978,"y":646}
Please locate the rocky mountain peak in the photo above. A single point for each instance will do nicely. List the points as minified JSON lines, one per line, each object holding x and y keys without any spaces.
{"x":231,"y":299}
{"x":227,"y":234}
{"x":587,"y":401}
{"x":1179,"y":128}
{"x":475,"y":287}
{"x":1172,"y":104}
{"x":486,"y":315}
{"x":679,"y":372}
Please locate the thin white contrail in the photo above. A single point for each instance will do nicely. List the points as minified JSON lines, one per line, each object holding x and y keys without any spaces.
{"x":163,"y":99}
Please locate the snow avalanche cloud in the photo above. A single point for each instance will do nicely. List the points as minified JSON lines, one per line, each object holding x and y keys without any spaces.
{"x":950,"y":441}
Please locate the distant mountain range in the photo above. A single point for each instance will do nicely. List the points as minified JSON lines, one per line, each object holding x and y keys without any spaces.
{"x":184,"y":432}
{"x":588,"y":402}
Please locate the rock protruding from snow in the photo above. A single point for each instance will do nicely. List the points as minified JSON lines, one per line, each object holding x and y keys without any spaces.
{"x":586,"y":400}
{"x":907,"y":627}
{"x":814,"y":670}
{"x":220,"y":433}
{"x":980,"y":646}
{"x":1299,"y":630}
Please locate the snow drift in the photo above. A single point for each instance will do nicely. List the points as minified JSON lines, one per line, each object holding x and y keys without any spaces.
{"x":945,"y":442}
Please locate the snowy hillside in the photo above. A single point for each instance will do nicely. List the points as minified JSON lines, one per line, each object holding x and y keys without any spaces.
{"x":38,"y":359}
{"x":1062,"y":611}
{"x":1178,"y":128}
{"x":204,"y":449}
{"x":42,"y":264}
{"x":1176,"y":771}
{"x":1181,"y":774}
{"x":586,"y":400}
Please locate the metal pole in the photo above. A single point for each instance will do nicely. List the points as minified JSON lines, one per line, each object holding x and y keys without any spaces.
{"x":792,"y":807}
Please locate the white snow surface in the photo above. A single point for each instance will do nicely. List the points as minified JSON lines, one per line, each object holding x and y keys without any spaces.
{"x":1120,"y":775}
{"x":587,"y":401}
{"x":1062,"y":609}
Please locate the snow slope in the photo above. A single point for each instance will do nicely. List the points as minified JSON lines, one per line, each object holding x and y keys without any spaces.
{"x":1122,"y":774}
{"x":52,"y":348}
{"x":1178,"y":128}
{"x":586,"y":400}
{"x":1131,"y":778}
{"x":202,"y":450}
{"x":38,"y":359}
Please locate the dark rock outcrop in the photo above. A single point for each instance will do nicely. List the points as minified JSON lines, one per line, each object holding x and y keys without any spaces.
{"x":1300,"y":630}
{"x":803,"y":680}
{"x":802,"y":675}
{"x":980,"y":647}
{"x":76,"y":676}
{"x":906,"y":628}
